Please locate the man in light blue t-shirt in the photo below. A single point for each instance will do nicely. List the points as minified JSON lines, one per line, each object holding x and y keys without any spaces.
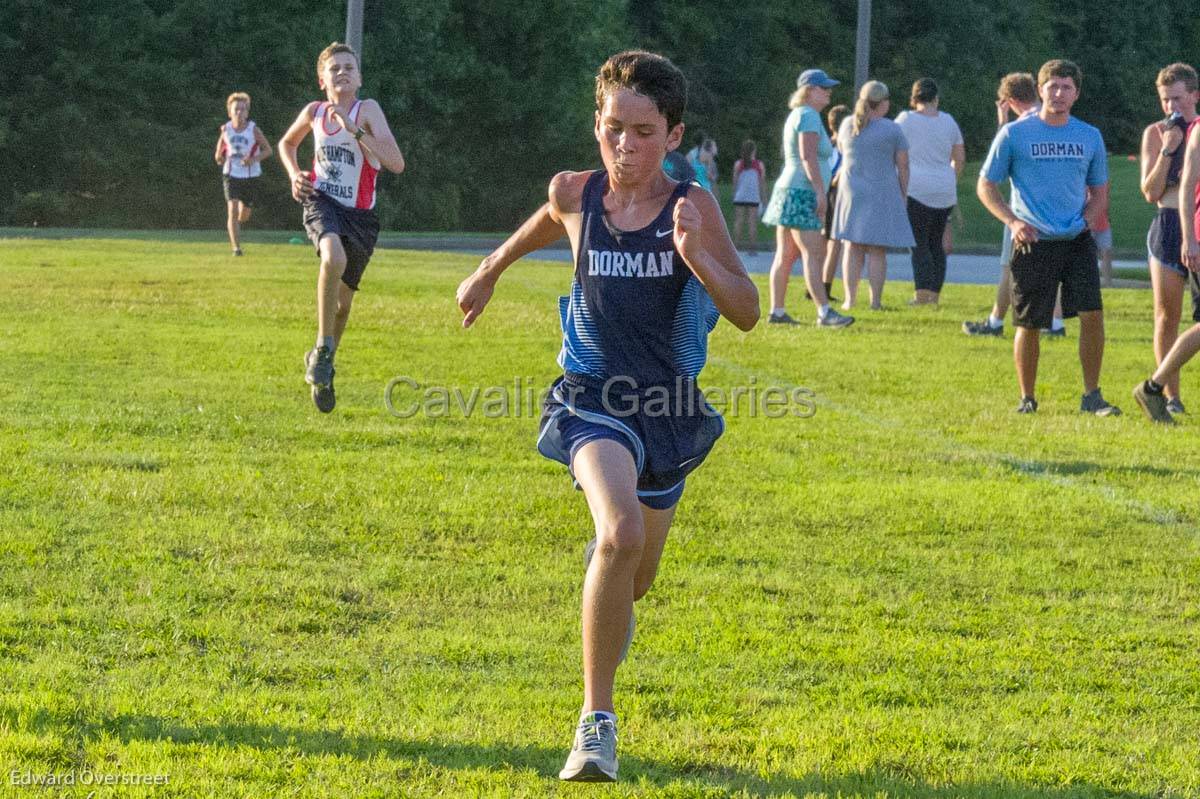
{"x":1059,"y":173}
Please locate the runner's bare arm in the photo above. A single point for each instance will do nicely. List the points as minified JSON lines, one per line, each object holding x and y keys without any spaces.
{"x":264,"y":147}
{"x":1096,"y":206}
{"x":377,"y":138}
{"x":288,"y":145}
{"x":1190,"y":247}
{"x":703,"y":240}
{"x":989,"y":195}
{"x":1155,"y":165}
{"x":547,"y":225}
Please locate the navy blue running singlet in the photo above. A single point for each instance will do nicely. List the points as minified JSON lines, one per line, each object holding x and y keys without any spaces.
{"x":635,"y":310}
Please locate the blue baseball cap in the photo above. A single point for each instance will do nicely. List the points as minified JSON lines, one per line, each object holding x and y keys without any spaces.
{"x":816,"y":77}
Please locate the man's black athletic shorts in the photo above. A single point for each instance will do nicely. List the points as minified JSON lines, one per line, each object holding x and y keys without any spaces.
{"x":1038,"y":270}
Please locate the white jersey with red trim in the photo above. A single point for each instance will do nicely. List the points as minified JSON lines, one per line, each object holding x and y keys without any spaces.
{"x":236,"y":145}
{"x":342,"y":170}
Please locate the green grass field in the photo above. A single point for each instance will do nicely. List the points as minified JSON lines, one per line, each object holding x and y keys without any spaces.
{"x":914,"y":593}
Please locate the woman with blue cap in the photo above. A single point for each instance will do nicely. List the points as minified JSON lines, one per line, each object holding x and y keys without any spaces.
{"x":798,"y":201}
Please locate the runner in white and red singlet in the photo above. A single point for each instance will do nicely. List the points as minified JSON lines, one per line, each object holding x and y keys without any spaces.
{"x":351,"y":143}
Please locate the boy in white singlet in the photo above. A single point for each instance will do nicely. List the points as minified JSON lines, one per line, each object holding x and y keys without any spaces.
{"x":351,"y":143}
{"x":241,"y":149}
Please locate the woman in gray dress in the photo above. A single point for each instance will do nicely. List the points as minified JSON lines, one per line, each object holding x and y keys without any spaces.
{"x":870,"y":214}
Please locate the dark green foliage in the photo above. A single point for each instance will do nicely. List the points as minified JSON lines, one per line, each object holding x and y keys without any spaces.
{"x":109,"y":111}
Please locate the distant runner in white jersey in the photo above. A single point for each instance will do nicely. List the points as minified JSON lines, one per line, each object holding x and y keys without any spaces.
{"x":241,"y":148}
{"x":351,"y":143}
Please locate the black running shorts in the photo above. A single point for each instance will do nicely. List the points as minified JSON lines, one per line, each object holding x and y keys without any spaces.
{"x":241,"y":189}
{"x":1038,"y":270}
{"x":357,"y":228}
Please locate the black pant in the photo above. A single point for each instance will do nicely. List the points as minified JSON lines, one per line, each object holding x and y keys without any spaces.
{"x":928,"y":257}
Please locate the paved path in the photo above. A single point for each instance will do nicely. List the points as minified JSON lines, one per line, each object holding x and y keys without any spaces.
{"x":960,"y":268}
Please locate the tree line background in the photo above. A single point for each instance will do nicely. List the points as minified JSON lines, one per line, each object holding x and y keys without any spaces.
{"x":109,"y":110}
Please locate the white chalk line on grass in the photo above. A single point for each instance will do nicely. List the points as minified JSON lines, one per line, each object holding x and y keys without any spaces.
{"x":953,"y":447}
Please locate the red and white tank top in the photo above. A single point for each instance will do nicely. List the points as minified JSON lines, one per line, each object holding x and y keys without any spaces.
{"x":236,"y":145}
{"x":342,"y":170}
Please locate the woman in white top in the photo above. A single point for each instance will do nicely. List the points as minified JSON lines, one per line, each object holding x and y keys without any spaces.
{"x":936,"y":157}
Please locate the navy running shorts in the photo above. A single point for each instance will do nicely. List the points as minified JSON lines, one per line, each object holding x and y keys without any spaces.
{"x":668,"y":431}
{"x":1164,"y":242}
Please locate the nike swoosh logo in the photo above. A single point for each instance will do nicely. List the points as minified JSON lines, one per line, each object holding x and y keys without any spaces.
{"x":662,"y":233}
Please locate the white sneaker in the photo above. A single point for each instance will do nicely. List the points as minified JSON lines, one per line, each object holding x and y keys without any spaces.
{"x":593,"y":758}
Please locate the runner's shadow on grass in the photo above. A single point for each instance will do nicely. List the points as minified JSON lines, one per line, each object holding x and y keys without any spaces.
{"x":545,"y":761}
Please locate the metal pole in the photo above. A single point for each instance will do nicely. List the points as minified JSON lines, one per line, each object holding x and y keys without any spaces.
{"x":354,"y":26}
{"x":862,"y":51}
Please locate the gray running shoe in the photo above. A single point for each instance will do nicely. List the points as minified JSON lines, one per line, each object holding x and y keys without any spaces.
{"x":1175,"y":405}
{"x":1094,"y":403}
{"x":588,"y":551}
{"x":319,"y":373}
{"x":982,"y":329}
{"x":1153,"y":404}
{"x":593,"y":757}
{"x":1028,"y":405}
{"x":834,"y":319}
{"x":781,"y":319}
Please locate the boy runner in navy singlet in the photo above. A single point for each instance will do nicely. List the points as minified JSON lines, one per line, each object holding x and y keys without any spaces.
{"x":351,"y":143}
{"x":654,"y":268}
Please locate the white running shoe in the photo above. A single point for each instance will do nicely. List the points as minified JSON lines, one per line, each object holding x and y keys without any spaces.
{"x":593,"y":758}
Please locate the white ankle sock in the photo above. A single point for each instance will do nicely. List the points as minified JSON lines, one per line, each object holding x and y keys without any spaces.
{"x":994,"y":321}
{"x":778,"y":311}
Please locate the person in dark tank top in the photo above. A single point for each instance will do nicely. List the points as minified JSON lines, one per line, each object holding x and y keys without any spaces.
{"x":1152,"y":394}
{"x":1163,"y":145}
{"x":654,"y":269}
